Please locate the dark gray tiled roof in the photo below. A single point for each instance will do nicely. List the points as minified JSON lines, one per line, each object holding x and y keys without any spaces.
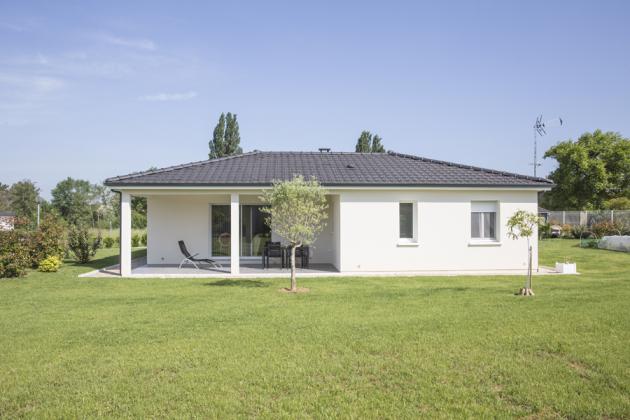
{"x":331,"y":169}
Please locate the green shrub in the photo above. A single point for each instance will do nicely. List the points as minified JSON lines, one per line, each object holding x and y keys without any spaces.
{"x":14,"y":253}
{"x":606,"y":228}
{"x":50,"y":264}
{"x":577,"y":231}
{"x":135,"y":240}
{"x":108,"y":242}
{"x":138,"y":220}
{"x":144,"y":239}
{"x":47,"y":241}
{"x":82,"y":245}
{"x":544,"y":229}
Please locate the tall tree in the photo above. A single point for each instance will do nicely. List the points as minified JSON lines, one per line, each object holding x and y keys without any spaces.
{"x":5,"y":197}
{"x":369,"y":143}
{"x":226,"y":138}
{"x":591,"y":170}
{"x":297,"y":212}
{"x":73,"y":199}
{"x":24,"y":198}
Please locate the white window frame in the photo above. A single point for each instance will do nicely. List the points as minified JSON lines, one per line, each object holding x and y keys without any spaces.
{"x":413,"y":241}
{"x":481,"y":207}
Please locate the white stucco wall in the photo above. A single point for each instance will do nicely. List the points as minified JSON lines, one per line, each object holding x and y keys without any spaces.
{"x":369,"y":224}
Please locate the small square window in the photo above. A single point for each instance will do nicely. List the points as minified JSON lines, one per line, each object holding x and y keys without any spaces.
{"x":483,"y":221}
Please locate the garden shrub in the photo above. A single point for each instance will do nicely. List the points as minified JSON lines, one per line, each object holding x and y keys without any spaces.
{"x":50,"y":264}
{"x":14,"y":253}
{"x":607,"y":228}
{"x":47,"y":241}
{"x":143,"y":240}
{"x":135,"y":240}
{"x":577,"y":231}
{"x":108,"y":242}
{"x":544,"y":229}
{"x":82,"y":245}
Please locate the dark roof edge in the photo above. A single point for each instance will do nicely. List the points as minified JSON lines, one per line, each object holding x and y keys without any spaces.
{"x":262,"y":184}
{"x":476,"y":168}
{"x":175,"y":167}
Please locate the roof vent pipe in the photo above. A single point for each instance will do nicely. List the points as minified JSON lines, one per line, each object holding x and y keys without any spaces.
{"x":324,"y":150}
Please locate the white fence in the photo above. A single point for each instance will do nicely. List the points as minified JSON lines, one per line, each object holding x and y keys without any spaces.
{"x":588,"y":218}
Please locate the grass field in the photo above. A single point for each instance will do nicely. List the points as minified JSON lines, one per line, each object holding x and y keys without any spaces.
{"x":352,"y":347}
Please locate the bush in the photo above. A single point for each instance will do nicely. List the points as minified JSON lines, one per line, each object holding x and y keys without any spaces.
{"x":144,"y":239}
{"x":14,"y":253}
{"x":108,"y":242}
{"x":544,"y":229}
{"x":577,"y":231}
{"x":81,"y":245}
{"x":50,"y":264}
{"x":48,"y":240}
{"x":606,"y":228}
{"x":619,"y":203}
{"x":138,"y":220}
{"x":135,"y":240}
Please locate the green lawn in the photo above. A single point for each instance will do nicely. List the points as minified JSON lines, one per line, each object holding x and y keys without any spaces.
{"x":353,"y":347}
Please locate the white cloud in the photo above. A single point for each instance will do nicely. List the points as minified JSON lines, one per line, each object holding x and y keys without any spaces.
{"x":169,"y":96}
{"x":35,"y":84}
{"x":141,"y":44}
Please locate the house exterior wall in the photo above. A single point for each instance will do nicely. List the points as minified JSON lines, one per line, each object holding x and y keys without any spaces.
{"x":369,"y":230}
{"x":7,"y":222}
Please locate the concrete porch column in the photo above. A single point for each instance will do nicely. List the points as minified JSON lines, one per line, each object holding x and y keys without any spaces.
{"x":235,"y":233}
{"x":125,"y":234}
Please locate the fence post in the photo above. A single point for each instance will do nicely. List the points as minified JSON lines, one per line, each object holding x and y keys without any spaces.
{"x":612,"y":216}
{"x":563,"y":217}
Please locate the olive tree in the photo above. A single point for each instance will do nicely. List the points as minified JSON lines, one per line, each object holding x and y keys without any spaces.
{"x":523,"y":224}
{"x":296,"y":211}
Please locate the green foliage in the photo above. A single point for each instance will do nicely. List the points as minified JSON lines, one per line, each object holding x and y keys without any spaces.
{"x":50,"y":264}
{"x":522,"y":224}
{"x":82,"y":245}
{"x":5,"y":197}
{"x":226,"y":138}
{"x":108,"y":242}
{"x":138,"y":220}
{"x":143,"y":239}
{"x":607,"y":228}
{"x":24,"y":198}
{"x":544,"y":229}
{"x":135,"y":240}
{"x":590,"y":171}
{"x":575,"y":231}
{"x":72,"y":198}
{"x":369,"y":143}
{"x":47,"y":241}
{"x":619,"y":203}
{"x":14,"y":255}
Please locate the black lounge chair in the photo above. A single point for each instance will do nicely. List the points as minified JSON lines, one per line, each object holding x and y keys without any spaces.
{"x":193,"y":258}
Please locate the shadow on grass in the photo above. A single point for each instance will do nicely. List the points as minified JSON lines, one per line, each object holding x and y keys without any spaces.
{"x":238,"y":283}
{"x":98,"y":263}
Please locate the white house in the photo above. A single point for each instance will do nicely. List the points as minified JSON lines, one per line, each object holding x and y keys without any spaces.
{"x":388,"y":212}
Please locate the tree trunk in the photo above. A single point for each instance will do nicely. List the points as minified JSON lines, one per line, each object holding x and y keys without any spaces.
{"x":527,"y":290}
{"x":293,"y":279}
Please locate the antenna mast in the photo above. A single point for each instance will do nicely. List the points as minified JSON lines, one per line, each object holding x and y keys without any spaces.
{"x":540,"y":127}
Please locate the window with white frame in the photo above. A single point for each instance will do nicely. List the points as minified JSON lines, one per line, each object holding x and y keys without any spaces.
{"x":408,"y":223}
{"x":483,"y":220}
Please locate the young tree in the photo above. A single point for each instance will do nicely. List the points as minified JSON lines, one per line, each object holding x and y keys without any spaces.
{"x":590,"y":171}
{"x":369,"y":143}
{"x":297,"y":212}
{"x":226,"y":138}
{"x":522,"y":224}
{"x":24,"y":199}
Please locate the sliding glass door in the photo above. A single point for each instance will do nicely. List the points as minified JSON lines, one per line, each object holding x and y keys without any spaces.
{"x":254,"y":231}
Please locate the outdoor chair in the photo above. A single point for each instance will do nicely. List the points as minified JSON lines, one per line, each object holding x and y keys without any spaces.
{"x":301,"y":252}
{"x":193,"y":258}
{"x":272,"y":250}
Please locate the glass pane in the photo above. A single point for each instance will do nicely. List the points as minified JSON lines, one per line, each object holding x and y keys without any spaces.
{"x":221,"y":231}
{"x":261,"y":233}
{"x":489,"y":225}
{"x":406,"y":220}
{"x":246,"y":231}
{"x":475,"y":219}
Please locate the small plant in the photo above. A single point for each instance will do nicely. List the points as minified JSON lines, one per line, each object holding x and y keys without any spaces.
{"x":568,"y":260}
{"x":82,"y":245}
{"x":144,"y":239}
{"x":50,"y":264}
{"x":544,"y":229}
{"x":108,"y":242}
{"x":577,"y":231}
{"x":521,"y":225}
{"x":606,"y":228}
{"x":135,"y":240}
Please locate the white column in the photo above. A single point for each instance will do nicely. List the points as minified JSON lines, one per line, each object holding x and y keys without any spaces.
{"x":235,"y":233}
{"x":125,"y":234}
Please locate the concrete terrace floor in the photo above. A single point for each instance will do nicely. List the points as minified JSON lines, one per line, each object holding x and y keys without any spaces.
{"x":140,"y":269}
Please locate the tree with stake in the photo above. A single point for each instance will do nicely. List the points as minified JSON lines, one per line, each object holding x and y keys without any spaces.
{"x":522,"y":224}
{"x":297,"y":212}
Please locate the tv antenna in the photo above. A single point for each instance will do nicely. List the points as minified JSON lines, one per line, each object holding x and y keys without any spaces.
{"x":540,"y":129}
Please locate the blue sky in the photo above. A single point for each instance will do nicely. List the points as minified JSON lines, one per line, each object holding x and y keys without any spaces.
{"x":96,"y":89}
